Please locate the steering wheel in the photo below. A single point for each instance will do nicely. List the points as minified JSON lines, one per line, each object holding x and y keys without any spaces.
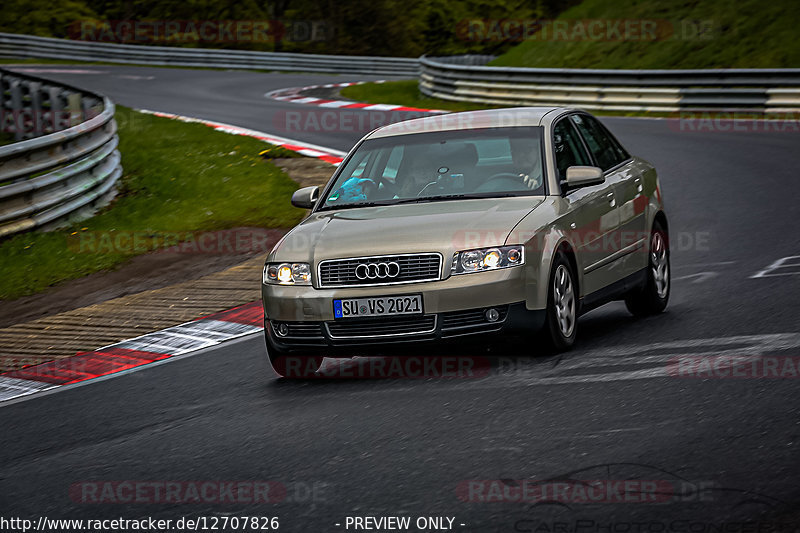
{"x":426,"y":187}
{"x":373,"y":184}
{"x":499,"y":176}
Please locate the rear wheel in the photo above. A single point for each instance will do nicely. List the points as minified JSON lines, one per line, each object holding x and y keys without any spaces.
{"x":561,"y":323}
{"x":652,"y":298}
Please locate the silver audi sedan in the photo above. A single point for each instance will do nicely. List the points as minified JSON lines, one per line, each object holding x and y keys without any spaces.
{"x":508,"y":222}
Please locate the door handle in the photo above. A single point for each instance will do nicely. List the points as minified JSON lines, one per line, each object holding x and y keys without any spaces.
{"x":611,"y":200}
{"x":638,"y":182}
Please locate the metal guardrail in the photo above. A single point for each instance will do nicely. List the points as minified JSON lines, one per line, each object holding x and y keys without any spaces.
{"x":747,"y":90}
{"x":28,"y":46}
{"x":67,"y":163}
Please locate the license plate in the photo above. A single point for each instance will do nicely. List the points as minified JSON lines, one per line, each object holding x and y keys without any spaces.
{"x":378,"y":306}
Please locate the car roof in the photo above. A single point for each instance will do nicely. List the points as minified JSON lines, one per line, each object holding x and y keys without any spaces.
{"x":488,"y":118}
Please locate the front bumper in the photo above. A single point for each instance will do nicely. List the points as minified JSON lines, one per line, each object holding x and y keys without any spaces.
{"x":382,"y":335}
{"x":453,"y":308}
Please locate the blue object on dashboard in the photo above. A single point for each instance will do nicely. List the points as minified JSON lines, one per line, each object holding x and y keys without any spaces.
{"x":351,"y":190}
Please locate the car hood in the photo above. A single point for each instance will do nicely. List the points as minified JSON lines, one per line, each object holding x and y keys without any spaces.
{"x":445,"y":227}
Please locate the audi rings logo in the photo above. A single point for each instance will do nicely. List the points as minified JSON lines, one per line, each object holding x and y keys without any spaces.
{"x":377,"y":270}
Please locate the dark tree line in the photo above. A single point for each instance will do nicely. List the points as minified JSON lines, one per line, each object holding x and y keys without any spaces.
{"x":362,"y":27}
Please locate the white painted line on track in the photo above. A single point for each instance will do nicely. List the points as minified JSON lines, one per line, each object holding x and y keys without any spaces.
{"x":336,"y":103}
{"x":189,"y":337}
{"x":780,"y":265}
{"x":699,"y":277}
{"x":381,"y":107}
{"x":12,"y":387}
{"x":53,"y":389}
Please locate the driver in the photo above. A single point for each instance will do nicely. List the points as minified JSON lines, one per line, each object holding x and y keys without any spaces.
{"x":527,"y":162}
{"x":414,"y":180}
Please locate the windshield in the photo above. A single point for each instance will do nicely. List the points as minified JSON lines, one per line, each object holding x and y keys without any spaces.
{"x":478,"y":163}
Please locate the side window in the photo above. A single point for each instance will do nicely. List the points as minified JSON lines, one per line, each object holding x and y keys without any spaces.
{"x":568,"y":147}
{"x":605,"y":148}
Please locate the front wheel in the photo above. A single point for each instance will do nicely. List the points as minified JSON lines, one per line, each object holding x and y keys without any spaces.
{"x":652,"y":298}
{"x":561,"y":323}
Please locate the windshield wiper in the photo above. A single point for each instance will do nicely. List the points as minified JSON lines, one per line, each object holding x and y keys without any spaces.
{"x":445,"y":197}
{"x":347,"y":206}
{"x":424,"y":199}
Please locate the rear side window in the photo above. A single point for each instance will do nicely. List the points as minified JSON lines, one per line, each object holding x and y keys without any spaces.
{"x":569,"y":149}
{"x":604,"y":147}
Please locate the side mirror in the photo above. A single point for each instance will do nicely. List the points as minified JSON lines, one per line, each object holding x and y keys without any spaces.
{"x":306,"y":197}
{"x":584,"y":176}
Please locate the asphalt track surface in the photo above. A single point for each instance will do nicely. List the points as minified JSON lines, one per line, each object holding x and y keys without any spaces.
{"x":387,"y":447}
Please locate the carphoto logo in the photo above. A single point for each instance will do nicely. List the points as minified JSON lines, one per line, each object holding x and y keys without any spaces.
{"x":575,"y":30}
{"x":678,"y":524}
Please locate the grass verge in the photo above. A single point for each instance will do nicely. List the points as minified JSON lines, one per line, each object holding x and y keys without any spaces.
{"x":178,"y":177}
{"x":693,"y":34}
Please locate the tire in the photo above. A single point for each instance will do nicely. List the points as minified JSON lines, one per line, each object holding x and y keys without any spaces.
{"x":291,"y":365}
{"x":653,"y":296}
{"x":561,"y":321}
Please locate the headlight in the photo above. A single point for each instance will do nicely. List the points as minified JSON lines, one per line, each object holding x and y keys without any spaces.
{"x":286,"y":274}
{"x":487,"y":259}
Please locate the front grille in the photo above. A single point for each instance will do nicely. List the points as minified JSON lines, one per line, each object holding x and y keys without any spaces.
{"x":471,"y":321}
{"x":413,"y":268}
{"x":381,"y":326}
